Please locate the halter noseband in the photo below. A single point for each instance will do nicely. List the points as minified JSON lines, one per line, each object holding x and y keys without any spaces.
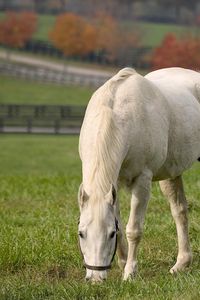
{"x":102,"y":268}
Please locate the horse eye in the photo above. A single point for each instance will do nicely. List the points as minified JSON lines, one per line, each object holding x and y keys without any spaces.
{"x":81,"y":234}
{"x":112,"y":234}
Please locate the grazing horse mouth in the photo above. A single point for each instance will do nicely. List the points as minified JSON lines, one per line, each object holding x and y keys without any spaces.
{"x":107,"y":267}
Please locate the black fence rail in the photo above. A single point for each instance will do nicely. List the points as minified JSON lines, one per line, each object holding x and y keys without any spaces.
{"x":52,"y":119}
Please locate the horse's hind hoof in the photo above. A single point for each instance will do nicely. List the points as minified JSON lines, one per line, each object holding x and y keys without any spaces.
{"x":182,"y":264}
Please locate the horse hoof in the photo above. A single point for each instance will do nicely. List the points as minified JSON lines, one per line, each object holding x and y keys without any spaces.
{"x":130,"y":272}
{"x":182,"y":264}
{"x":129,"y":277}
{"x":173,"y":271}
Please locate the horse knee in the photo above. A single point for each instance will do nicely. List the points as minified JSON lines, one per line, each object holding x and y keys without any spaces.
{"x":133,"y":236}
{"x":179,"y":212}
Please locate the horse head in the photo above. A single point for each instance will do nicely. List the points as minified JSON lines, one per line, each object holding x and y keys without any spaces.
{"x":97,"y":232}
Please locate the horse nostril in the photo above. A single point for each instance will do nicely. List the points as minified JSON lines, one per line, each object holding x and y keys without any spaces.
{"x":87,"y":279}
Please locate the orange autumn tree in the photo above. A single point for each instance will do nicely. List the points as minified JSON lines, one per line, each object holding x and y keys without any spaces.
{"x":113,"y":39}
{"x":180,"y":52}
{"x":73,"y":35}
{"x":17,"y":28}
{"x":107,"y":37}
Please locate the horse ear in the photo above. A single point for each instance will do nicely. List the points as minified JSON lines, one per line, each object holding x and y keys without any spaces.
{"x":82,"y":196}
{"x":112,"y":195}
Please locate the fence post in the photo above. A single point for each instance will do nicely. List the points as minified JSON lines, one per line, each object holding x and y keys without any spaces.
{"x":56,"y":126}
{"x":29,"y":125}
{"x":1,"y":125}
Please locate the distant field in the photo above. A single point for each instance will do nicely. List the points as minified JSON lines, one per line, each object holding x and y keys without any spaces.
{"x":45,"y":24}
{"x":155,"y":32}
{"x":39,"y":257}
{"x":151,"y":33}
{"x":18,"y":91}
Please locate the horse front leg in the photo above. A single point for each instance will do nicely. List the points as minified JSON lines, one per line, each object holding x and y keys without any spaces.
{"x":174,"y":191}
{"x":139,"y":200}
{"x":121,"y":244}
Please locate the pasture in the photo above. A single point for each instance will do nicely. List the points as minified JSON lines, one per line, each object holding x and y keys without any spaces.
{"x":152,"y":33}
{"x":39,"y":257}
{"x":28,"y":92}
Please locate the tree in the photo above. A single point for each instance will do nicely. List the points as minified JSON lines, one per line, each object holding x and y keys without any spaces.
{"x":73,"y":35}
{"x":177,"y":52}
{"x":17,"y":28}
{"x":117,"y":42}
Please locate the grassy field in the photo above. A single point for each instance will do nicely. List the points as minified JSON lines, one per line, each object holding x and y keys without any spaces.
{"x":20,"y":91}
{"x":155,"y":32}
{"x":39,"y":257}
{"x":151,"y":33}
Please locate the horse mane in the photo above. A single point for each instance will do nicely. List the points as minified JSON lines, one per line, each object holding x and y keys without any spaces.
{"x":105,"y":167}
{"x":109,"y":139}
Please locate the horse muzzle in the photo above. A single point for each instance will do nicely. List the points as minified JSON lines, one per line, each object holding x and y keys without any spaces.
{"x":96,"y":276}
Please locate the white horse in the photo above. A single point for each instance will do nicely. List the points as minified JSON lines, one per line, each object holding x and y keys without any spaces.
{"x":136,"y":130}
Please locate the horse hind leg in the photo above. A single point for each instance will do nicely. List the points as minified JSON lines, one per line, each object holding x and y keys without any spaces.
{"x":174,"y":191}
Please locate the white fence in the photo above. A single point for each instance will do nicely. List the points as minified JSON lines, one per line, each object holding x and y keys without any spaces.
{"x":48,"y":75}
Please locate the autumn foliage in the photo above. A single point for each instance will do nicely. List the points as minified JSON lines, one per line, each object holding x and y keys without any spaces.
{"x":17,"y":28}
{"x":177,"y":52}
{"x":73,"y":35}
{"x":112,"y":38}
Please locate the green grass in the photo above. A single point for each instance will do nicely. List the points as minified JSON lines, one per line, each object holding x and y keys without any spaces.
{"x":45,"y":25}
{"x":39,"y":257}
{"x":25,"y":92}
{"x":153,"y":33}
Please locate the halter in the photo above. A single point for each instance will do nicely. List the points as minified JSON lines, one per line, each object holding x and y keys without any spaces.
{"x":102,"y":268}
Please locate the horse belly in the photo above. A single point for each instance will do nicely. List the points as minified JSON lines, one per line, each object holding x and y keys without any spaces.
{"x":183,"y":151}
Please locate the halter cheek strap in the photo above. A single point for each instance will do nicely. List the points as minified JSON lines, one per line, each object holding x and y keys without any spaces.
{"x":102,"y":268}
